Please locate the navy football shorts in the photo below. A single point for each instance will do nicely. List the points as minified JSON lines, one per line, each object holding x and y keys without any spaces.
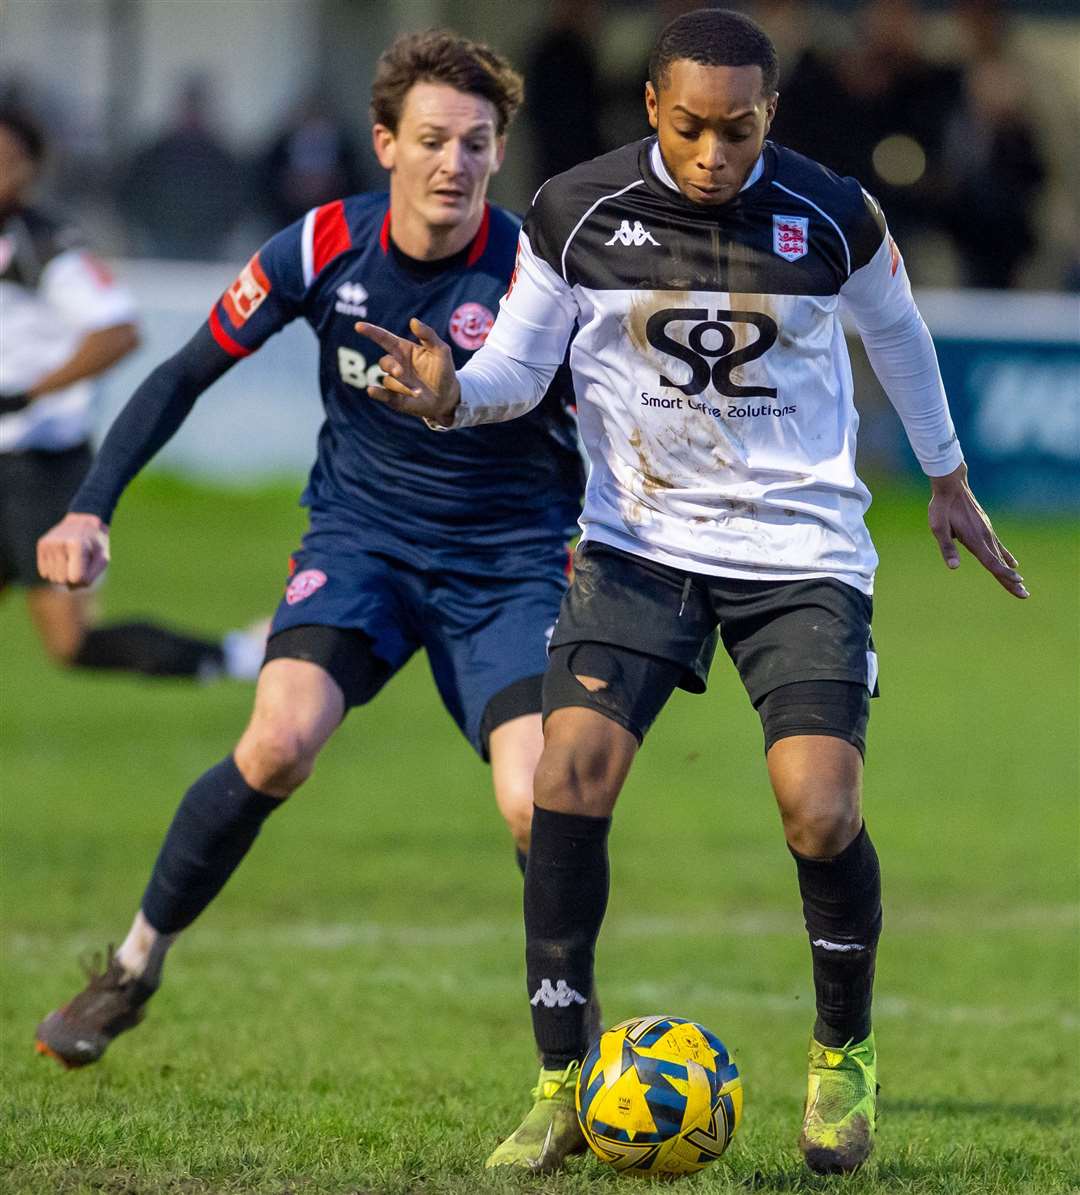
{"x":485,"y":630}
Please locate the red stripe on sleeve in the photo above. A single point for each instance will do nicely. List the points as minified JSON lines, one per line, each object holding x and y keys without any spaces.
{"x":384,"y":233}
{"x":481,"y":239}
{"x":331,"y":235}
{"x":232,"y":347}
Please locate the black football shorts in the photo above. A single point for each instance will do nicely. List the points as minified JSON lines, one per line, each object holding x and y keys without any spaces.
{"x":35,"y":489}
{"x":803,"y":649}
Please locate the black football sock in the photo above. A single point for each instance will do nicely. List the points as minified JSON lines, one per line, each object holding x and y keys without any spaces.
{"x":522,"y":859}
{"x":149,"y":649}
{"x":842,"y":906}
{"x":215,"y":825}
{"x":566,"y":894}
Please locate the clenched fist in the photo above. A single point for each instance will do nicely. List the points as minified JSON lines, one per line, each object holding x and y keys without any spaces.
{"x":75,"y":552}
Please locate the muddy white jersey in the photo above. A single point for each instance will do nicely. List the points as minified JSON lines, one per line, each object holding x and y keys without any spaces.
{"x":712,"y":377}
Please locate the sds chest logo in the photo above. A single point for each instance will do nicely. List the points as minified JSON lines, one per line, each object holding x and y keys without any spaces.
{"x":709,"y":348}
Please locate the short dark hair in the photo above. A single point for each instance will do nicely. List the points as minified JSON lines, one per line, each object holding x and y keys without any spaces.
{"x":439,"y":56}
{"x":26,"y":130}
{"x":715,"y":37}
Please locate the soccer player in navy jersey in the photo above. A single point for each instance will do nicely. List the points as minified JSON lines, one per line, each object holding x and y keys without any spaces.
{"x":700,"y":275}
{"x":453,"y":544}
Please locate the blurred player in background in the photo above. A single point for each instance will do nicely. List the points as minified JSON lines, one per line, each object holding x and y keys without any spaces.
{"x":453,"y":544}
{"x":700,"y":274}
{"x":65,"y":321}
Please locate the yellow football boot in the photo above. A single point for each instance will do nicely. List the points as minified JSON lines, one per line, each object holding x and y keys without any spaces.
{"x":550,"y":1132}
{"x":841,"y":1106}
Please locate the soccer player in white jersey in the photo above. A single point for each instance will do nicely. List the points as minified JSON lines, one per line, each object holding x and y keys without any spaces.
{"x":706,"y":269}
{"x":67,"y":321}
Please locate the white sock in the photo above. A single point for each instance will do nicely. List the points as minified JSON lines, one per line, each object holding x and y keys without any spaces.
{"x":142,"y":952}
{"x":244,"y":650}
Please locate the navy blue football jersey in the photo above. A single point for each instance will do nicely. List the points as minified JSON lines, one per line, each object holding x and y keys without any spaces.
{"x":384,"y":473}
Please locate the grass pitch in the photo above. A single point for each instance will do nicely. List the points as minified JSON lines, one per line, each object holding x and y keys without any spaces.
{"x":350,"y":1015}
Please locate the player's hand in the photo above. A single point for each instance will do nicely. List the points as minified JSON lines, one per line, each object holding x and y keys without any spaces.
{"x":75,"y":552}
{"x":420,"y":378}
{"x":956,"y":516}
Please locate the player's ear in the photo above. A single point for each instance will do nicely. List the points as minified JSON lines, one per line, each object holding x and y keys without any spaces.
{"x":500,"y":153}
{"x":652,"y":104}
{"x":770,"y":110}
{"x":384,"y":142}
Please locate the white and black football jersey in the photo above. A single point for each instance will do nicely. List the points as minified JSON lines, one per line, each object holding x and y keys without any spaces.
{"x":712,"y":376}
{"x":52,"y":293}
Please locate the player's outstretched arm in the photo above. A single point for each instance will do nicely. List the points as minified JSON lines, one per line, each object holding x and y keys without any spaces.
{"x":957,"y":517}
{"x":75,"y":552}
{"x":420,"y":378}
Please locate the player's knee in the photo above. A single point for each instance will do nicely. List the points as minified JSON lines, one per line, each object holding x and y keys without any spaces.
{"x":571,"y":779}
{"x":275,"y":757}
{"x":821,"y":829}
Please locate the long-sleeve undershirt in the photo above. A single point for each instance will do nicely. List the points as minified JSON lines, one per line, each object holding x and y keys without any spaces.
{"x":150,"y":419}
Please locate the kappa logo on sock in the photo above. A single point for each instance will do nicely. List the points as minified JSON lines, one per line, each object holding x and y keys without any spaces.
{"x":839,"y":947}
{"x":559,"y":996}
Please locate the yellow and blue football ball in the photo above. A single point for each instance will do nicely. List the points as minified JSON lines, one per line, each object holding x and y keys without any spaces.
{"x":658,"y":1095}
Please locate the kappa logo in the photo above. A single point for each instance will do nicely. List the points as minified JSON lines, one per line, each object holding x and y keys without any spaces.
{"x":559,"y":996}
{"x":837,"y":947}
{"x":636,"y":235}
{"x":790,"y":236}
{"x":351,"y":299}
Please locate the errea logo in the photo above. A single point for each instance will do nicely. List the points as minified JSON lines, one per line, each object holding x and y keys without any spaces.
{"x":636,"y":235}
{"x":351,"y":299}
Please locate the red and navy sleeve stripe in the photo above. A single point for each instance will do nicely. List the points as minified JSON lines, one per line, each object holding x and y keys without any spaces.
{"x":224,"y":340}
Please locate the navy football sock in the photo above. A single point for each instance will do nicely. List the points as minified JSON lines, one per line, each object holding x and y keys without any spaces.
{"x":216,"y":823}
{"x":149,"y":649}
{"x":566,"y":893}
{"x":842,"y":906}
{"x":522,"y":859}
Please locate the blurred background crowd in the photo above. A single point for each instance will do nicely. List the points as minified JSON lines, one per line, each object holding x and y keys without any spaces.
{"x":190,"y":129}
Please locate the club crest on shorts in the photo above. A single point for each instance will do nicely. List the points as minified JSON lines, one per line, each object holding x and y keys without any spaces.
{"x":304,"y":584}
{"x":470,"y":324}
{"x":790,"y":236}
